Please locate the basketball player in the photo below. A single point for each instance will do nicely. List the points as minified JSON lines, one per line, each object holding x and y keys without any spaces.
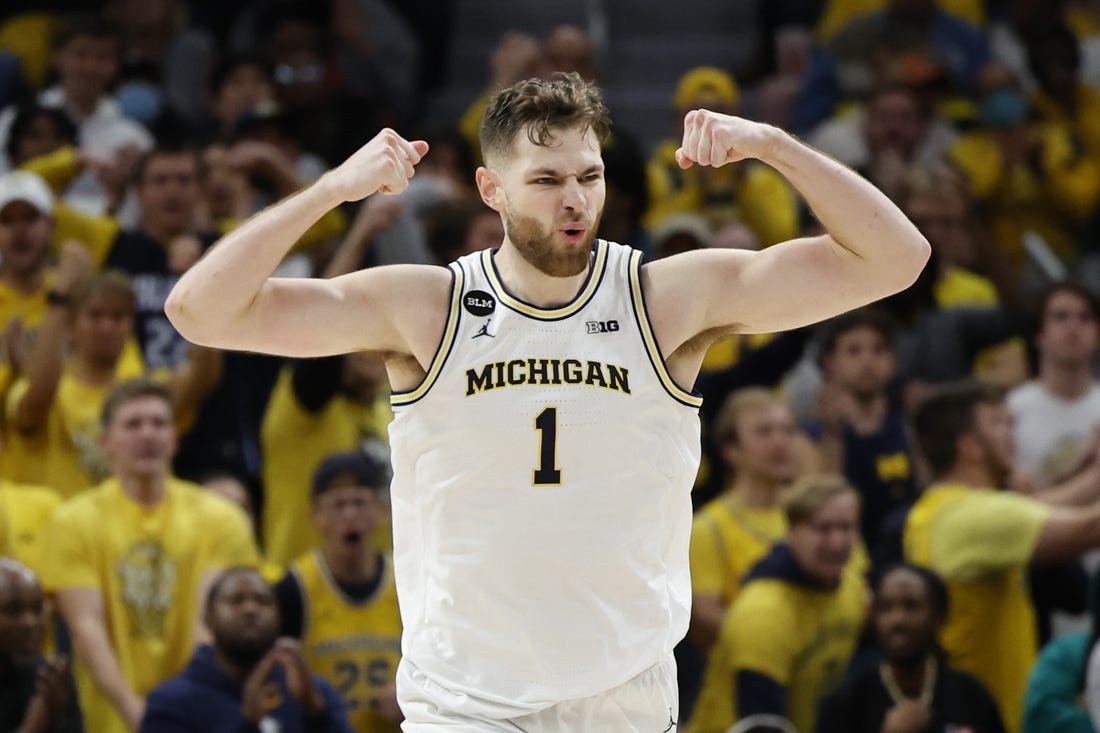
{"x":545,"y":435}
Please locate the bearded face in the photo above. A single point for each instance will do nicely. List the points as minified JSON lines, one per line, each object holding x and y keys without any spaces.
{"x":551,"y":197}
{"x":540,"y":247}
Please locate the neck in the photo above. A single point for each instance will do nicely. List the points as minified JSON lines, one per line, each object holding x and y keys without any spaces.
{"x":147,"y":490}
{"x":162,"y":234}
{"x":525,"y":281}
{"x":1068,"y":380}
{"x":27,"y":283}
{"x":92,"y":371}
{"x":755,"y":492}
{"x":976,"y":476}
{"x":910,"y":675}
{"x":83,"y":104}
{"x":229,"y":667}
{"x":356,"y":569}
{"x":870,"y":410}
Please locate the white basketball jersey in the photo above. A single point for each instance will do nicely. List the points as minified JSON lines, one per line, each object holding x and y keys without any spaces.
{"x":541,"y":493}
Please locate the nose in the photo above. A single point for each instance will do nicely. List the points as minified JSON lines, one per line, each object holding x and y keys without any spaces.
{"x":29,"y":619}
{"x":573,"y":195}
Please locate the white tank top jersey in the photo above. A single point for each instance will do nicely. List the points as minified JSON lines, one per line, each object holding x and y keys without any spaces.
{"x":541,"y":492}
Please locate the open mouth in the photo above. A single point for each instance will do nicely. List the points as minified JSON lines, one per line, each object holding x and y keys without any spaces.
{"x":352,"y":538}
{"x":573,"y":234}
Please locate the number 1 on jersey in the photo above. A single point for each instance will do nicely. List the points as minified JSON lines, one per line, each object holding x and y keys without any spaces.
{"x":547,"y":473}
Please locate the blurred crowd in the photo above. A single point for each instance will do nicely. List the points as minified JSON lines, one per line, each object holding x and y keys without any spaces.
{"x":897,"y":509}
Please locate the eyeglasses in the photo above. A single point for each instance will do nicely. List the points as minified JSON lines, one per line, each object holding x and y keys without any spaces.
{"x":299,"y":73}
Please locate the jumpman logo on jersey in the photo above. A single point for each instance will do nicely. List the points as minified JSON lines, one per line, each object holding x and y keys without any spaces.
{"x":671,"y":722}
{"x":485,"y":331}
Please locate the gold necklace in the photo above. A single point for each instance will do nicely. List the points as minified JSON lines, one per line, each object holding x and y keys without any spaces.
{"x":927,"y":687}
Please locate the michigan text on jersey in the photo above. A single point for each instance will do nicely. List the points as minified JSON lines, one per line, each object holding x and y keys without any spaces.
{"x":515,"y":372}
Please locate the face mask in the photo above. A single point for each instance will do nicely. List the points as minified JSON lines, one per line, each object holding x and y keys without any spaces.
{"x":1004,"y":108}
{"x":140,"y":101}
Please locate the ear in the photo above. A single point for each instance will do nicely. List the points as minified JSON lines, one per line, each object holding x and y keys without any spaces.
{"x":488,"y":185}
{"x":967,"y":448}
{"x":730,"y":453}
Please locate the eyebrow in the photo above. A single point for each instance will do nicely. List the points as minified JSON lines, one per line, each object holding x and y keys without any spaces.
{"x":556,"y":174}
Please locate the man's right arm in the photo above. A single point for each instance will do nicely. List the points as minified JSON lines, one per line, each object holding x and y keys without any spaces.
{"x":1068,"y":533}
{"x":46,"y":359}
{"x":82,"y":609}
{"x":229,"y":299}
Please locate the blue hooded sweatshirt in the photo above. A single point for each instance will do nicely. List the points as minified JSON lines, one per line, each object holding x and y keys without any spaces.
{"x":204,"y":699}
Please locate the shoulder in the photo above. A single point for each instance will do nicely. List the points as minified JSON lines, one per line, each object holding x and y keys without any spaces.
{"x":857,"y":687}
{"x":1026,"y":394}
{"x":83,"y":507}
{"x":709,"y":513}
{"x":766,"y":597}
{"x":959,"y":26}
{"x":171,"y":694}
{"x":203,"y":504}
{"x":30,"y":497}
{"x":965,"y":683}
{"x":1070,"y":650}
{"x":132,"y":252}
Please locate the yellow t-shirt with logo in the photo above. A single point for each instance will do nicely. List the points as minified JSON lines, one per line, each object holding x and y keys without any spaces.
{"x":294,"y":443}
{"x":727,"y":539}
{"x":64,"y":454}
{"x":799,"y":636}
{"x":981,"y":541}
{"x":148,"y":563}
{"x":354,"y":645}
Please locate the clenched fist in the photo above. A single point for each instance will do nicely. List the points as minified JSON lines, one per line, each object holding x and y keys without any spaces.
{"x":385,"y":164}
{"x":715,"y":139}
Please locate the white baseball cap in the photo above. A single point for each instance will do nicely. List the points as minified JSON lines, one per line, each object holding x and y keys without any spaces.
{"x":26,"y":186}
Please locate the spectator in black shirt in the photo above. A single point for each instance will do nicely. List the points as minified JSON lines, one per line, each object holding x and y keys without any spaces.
{"x":35,"y":694}
{"x":913,"y":690}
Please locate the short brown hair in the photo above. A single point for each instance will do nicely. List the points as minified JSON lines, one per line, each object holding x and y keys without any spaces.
{"x":170,"y":149}
{"x":748,"y":399}
{"x":807,"y":495}
{"x":872,"y":317}
{"x":947,"y":415}
{"x":128,"y":391}
{"x":112,"y":283}
{"x":540,"y":106}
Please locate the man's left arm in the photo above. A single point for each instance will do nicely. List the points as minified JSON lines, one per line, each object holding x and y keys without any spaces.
{"x":870,"y":250}
{"x":761,"y":631}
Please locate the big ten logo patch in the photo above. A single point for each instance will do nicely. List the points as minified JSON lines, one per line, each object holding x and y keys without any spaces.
{"x":601,"y":326}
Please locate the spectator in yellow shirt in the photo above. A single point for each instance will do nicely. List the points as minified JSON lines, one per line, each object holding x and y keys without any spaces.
{"x":759,"y":441}
{"x":789,"y":636}
{"x":53,"y":411}
{"x":750,"y":193}
{"x":1063,"y":99}
{"x":1029,"y":176}
{"x":27,"y":228}
{"x":131,"y":559}
{"x":981,"y":539}
{"x":340,"y":599}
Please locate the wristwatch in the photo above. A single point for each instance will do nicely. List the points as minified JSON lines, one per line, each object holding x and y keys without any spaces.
{"x":54,"y":297}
